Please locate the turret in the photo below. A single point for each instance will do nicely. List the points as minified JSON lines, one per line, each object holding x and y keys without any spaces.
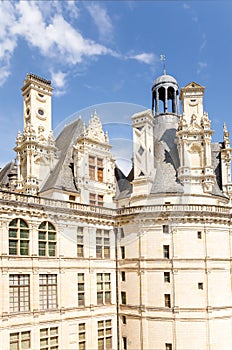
{"x":36,"y":146}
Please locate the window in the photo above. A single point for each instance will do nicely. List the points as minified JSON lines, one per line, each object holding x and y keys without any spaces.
{"x":20,"y":340}
{"x":124,"y":343}
{"x":48,"y":291}
{"x":72,"y":198}
{"x":47,"y":239}
{"x":199,"y":235}
{"x":166,"y":251}
{"x":167,"y":300}
{"x":168,"y":346}
{"x":81,"y":289}
{"x":49,"y":338}
{"x":96,"y":199}
{"x":81,"y":336}
{"x":103,"y":288}
{"x":122,"y":234}
{"x":19,"y":293}
{"x":124,"y":319}
{"x":104,"y":335}
{"x":80,"y":242}
{"x":123,"y":276}
{"x":123,"y":297}
{"x":96,"y":168}
{"x":165,"y":229}
{"x":102,"y":244}
{"x":167,"y":277}
{"x":123,"y":252}
{"x":18,"y":237}
{"x":200,"y":286}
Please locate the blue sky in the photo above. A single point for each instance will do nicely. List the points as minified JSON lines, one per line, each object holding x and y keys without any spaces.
{"x":97,"y":52}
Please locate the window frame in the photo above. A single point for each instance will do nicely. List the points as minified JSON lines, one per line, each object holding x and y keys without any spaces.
{"x":16,"y":239}
{"x":49,"y":338}
{"x":81,"y":289}
{"x":103,"y":244}
{"x":47,"y":242}
{"x":80,"y":242}
{"x":104,"y":328}
{"x":22,"y":301}
{"x":48,"y":292}
{"x":104,"y":288}
{"x":20,"y":340}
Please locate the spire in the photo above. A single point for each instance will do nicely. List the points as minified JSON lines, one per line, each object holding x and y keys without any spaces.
{"x":163,"y":59}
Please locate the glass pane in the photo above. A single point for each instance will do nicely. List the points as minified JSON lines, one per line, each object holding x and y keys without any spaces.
{"x":81,"y":326}
{"x":54,"y":330}
{"x":100,"y":344}
{"x":108,"y":323}
{"x":82,"y":345}
{"x":12,"y":247}
{"x":109,"y":343}
{"x":100,"y":298}
{"x":52,"y":249}
{"x":42,"y":225}
{"x":13,"y":232}
{"x":14,"y":346}
{"x":51,"y":227}
{"x":24,"y":247}
{"x":51,"y":236}
{"x":25,"y":344}
{"x":80,"y":277}
{"x":100,"y":324}
{"x":82,"y":336}
{"x":23,"y":223}
{"x":80,"y":287}
{"x":13,"y":223}
{"x":107,"y":286}
{"x":24,"y":233}
{"x":53,"y":340}
{"x":43,"y":332}
{"x":107,"y":297}
{"x":99,"y":277}
{"x":42,"y":235}
{"x":43,"y":342}
{"x":107,"y":276}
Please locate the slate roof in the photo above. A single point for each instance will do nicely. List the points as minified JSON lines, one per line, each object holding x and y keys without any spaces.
{"x":62,"y":176}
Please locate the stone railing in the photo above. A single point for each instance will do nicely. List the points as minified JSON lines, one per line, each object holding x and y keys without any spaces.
{"x":155,"y":209}
{"x":174,"y":208}
{"x":54,"y":203}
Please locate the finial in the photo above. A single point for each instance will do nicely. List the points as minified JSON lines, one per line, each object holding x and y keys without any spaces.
{"x":163,"y":59}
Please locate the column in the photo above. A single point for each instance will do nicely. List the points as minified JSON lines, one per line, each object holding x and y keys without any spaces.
{"x":166,"y":100}
{"x":157,"y":102}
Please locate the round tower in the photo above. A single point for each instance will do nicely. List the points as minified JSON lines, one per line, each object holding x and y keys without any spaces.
{"x":165,"y":95}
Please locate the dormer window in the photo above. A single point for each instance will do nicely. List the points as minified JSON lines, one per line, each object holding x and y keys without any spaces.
{"x":96,"y":168}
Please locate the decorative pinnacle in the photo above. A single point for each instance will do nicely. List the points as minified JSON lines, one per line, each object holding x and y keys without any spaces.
{"x":163,"y":59}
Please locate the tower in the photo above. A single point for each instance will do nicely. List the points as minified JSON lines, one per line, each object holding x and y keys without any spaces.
{"x":94,"y":165}
{"x":194,"y":136}
{"x":36,"y":146}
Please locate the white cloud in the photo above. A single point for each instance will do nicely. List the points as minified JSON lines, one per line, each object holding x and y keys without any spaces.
{"x":102,"y":20}
{"x":186,"y":6}
{"x":59,"y":80}
{"x":8,"y":41}
{"x":201,"y":66}
{"x":148,"y":58}
{"x":50,"y":33}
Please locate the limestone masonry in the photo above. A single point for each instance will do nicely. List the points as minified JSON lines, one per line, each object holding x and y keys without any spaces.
{"x":93,"y":259}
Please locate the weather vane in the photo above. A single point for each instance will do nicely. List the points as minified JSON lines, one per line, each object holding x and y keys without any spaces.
{"x":163,"y":59}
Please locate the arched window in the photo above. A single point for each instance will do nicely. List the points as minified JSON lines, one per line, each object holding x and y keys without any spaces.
{"x":47,"y":239}
{"x":18,"y":237}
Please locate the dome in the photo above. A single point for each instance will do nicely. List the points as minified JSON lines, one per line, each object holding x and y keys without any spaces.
{"x":165,"y":79}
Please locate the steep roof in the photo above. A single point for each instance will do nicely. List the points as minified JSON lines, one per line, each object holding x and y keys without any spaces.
{"x":62,"y":176}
